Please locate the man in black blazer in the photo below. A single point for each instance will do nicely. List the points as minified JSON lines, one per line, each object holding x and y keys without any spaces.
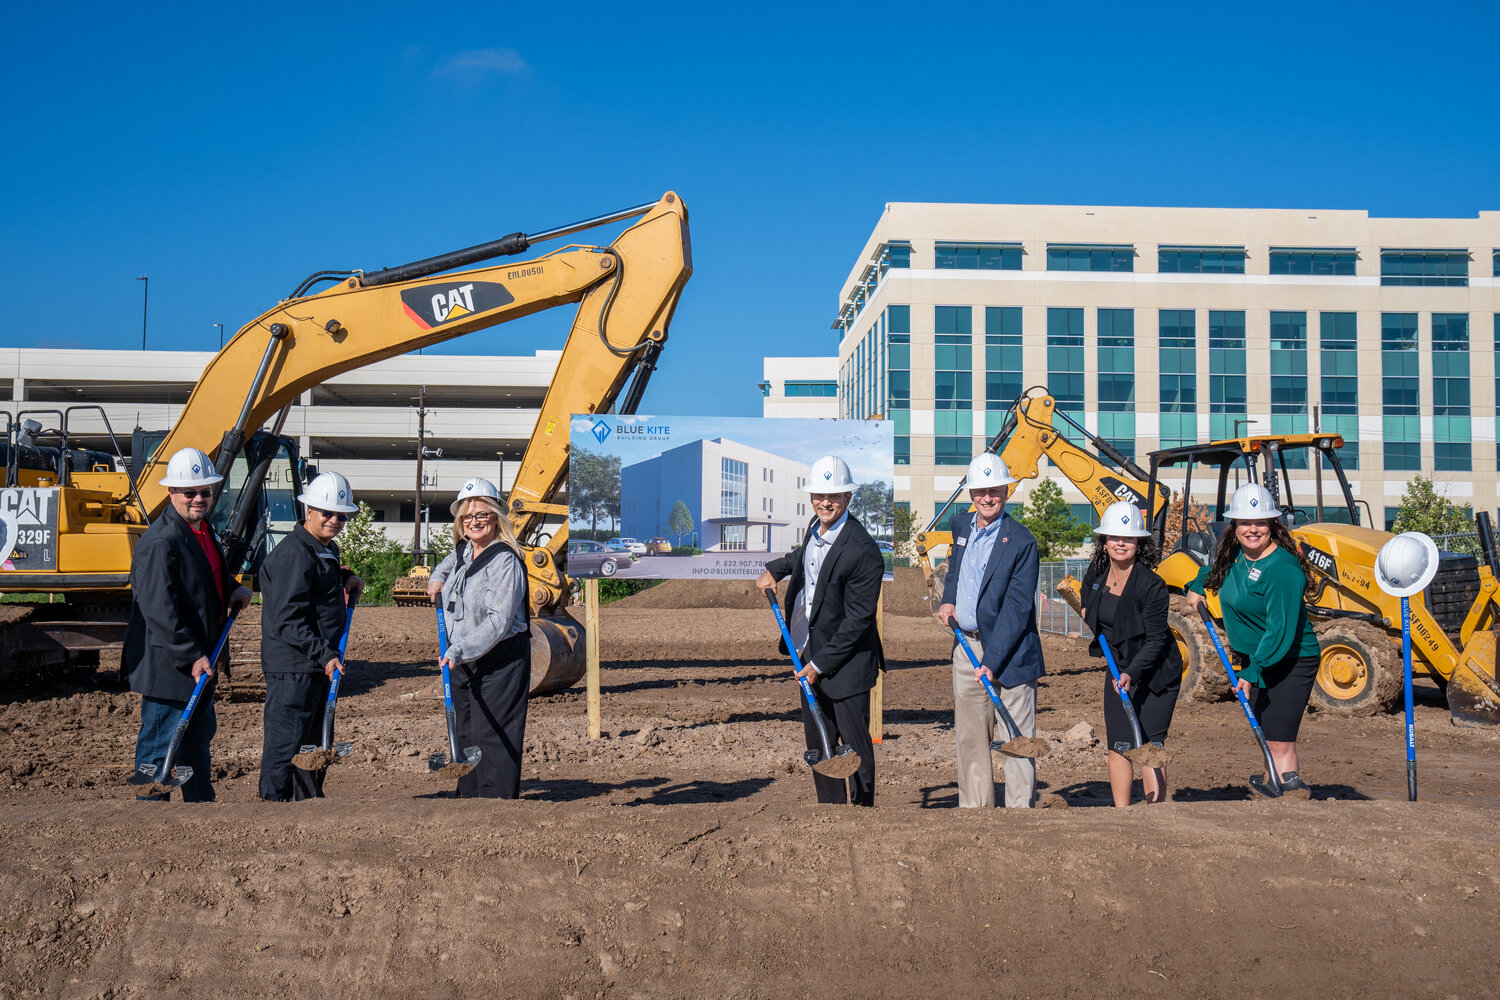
{"x":180,"y":590}
{"x":990,"y":593}
{"x":835,"y":585}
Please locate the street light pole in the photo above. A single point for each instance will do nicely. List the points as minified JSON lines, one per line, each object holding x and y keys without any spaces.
{"x":145,"y":298}
{"x":1237,"y":425}
{"x":221,"y":335}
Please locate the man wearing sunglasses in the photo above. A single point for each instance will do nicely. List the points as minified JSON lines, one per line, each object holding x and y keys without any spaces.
{"x":302,"y":586}
{"x":181,"y":592}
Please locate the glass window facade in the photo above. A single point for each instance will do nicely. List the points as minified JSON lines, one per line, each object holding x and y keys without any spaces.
{"x":1452,"y":429}
{"x":1289,"y":380}
{"x":1329,"y":261}
{"x":733,"y":488}
{"x":977,"y":256}
{"x":1065,"y":358}
{"x":1104,"y":257}
{"x":1339,"y":396}
{"x":1003,"y":373}
{"x":953,"y":358}
{"x":898,"y":378}
{"x":1116,"y":360}
{"x":1177,"y":349}
{"x":822,"y":389}
{"x":1226,"y":371}
{"x":1424,"y":267}
{"x":1400,"y":392}
{"x":949,"y":450}
{"x":1200,"y":260}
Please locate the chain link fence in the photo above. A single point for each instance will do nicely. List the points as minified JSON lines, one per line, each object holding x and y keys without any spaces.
{"x":1466,"y":542}
{"x":1053,"y":614}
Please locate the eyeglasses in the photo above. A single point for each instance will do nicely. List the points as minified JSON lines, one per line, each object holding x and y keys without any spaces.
{"x":191,"y":494}
{"x":325,"y":515}
{"x":476,"y":518}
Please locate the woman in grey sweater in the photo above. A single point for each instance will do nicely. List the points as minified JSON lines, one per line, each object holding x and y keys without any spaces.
{"x":482,"y":587}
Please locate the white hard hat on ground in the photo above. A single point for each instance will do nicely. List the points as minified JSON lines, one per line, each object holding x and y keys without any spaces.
{"x":1406,"y":564}
{"x":1122,"y":520}
{"x":330,"y":493}
{"x":476,"y":487}
{"x":189,"y":467}
{"x":830,"y":474}
{"x":1252,"y":502}
{"x":988,"y":469}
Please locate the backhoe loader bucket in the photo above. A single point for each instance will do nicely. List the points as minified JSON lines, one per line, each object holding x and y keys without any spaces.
{"x":557,"y":653}
{"x":1472,"y":689}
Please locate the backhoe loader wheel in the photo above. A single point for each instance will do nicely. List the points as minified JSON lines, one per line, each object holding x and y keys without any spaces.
{"x":1359,"y":669}
{"x":1203,"y":677}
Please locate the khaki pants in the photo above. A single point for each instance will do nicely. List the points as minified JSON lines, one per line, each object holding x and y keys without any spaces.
{"x":975,"y":724}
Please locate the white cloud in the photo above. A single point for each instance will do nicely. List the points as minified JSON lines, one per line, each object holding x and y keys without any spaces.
{"x":476,"y":65}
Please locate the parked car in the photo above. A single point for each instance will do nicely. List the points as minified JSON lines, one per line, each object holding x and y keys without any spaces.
{"x":886,"y":546}
{"x":658,"y":546}
{"x":587,"y":558}
{"x":634,"y":546}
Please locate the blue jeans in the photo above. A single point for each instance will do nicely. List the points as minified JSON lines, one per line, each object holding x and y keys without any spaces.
{"x":158,"y":720}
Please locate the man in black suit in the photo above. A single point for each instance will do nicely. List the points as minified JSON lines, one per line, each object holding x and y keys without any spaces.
{"x":180,"y":591}
{"x":836,"y":574}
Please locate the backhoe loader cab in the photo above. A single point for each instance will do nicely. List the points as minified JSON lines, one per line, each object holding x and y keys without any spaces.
{"x":1357,"y":623}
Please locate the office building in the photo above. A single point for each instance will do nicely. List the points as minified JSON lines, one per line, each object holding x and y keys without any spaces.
{"x":1154,"y":327}
{"x":800,"y":387}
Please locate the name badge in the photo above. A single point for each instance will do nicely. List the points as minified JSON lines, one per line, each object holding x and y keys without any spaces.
{"x":1254,"y":573}
{"x":963,"y":541}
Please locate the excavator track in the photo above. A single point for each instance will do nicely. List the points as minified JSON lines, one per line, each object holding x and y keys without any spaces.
{"x":240,"y":678}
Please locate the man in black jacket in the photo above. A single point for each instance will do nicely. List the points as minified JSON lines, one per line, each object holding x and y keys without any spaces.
{"x":180,"y":589}
{"x":835,"y":586}
{"x":302,"y":586}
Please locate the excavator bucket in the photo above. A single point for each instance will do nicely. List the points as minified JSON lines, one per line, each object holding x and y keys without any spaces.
{"x":1070,"y":590}
{"x":557,"y":653}
{"x":1472,"y":689}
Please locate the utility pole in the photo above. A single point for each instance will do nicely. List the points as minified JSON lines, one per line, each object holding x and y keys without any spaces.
{"x":221,"y":334}
{"x":145,"y":299}
{"x":416,"y":511}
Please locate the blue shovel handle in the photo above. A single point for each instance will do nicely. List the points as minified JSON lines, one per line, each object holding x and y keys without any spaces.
{"x":165,"y":771}
{"x":1135,"y":722}
{"x":1234,"y":681}
{"x":338,"y":675}
{"x":989,"y":689}
{"x":1411,"y":729}
{"x":453,"y":755}
{"x":807,"y":691}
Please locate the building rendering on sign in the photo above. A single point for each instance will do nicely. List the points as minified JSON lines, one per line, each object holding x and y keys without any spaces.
{"x":738,"y":498}
{"x":1155,"y":327}
{"x":481,"y":411}
{"x":800,"y":387}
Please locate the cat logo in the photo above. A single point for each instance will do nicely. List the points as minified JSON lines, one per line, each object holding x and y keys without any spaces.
{"x":1120,"y":491}
{"x":434,"y":305}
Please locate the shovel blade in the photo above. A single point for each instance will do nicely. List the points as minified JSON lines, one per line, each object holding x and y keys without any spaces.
{"x":472,"y":754}
{"x":437,"y":761}
{"x":342,"y":749}
{"x":307,"y":748}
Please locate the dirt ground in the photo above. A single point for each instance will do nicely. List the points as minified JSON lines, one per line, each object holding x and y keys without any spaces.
{"x":683,"y":855}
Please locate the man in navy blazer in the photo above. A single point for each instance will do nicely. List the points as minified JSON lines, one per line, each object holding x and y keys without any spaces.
{"x":990,"y":593}
{"x":831,"y":600}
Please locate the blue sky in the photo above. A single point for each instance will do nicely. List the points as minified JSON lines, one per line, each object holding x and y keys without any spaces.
{"x":227,"y":152}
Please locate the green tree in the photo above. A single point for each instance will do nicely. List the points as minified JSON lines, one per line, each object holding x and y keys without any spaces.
{"x":375,"y":557}
{"x":871,"y":505}
{"x":1047,"y":517}
{"x":594,"y":488}
{"x":1424,"y":509}
{"x":680,"y":520}
{"x":905,"y":528}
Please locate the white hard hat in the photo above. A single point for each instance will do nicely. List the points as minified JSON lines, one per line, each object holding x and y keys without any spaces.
{"x":1122,"y":520}
{"x":1252,"y":502}
{"x":830,"y":474}
{"x":190,"y":467}
{"x":1406,"y":564}
{"x":476,"y":487}
{"x":330,"y":492}
{"x":988,"y":469}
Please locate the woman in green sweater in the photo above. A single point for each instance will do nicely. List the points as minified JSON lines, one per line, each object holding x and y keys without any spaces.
{"x":1260,"y":578}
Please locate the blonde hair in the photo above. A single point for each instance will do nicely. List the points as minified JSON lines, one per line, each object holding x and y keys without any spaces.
{"x":507,"y":530}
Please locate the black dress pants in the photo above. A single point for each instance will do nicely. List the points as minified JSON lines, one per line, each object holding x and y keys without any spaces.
{"x":848,"y":722}
{"x":294,"y":718}
{"x":489,"y":707}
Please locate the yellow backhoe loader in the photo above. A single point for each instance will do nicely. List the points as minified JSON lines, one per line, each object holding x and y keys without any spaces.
{"x":625,"y":293}
{"x":1358,"y":624}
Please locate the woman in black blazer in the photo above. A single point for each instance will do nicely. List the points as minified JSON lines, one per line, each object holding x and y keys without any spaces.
{"x":1127,"y":603}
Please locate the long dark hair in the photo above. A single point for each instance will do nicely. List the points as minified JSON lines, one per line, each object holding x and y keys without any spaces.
{"x":1228,"y":551}
{"x":1146,"y":554}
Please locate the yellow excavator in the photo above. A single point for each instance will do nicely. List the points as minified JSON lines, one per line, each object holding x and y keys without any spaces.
{"x":625,"y":293}
{"x":1358,"y":624}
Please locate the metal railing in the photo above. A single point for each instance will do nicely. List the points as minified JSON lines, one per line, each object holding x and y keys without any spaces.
{"x":1053,"y":614}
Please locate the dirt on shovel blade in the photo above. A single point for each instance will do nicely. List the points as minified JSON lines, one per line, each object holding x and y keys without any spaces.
{"x":453,"y":771}
{"x":315,"y":760}
{"x":838,"y":766}
{"x":1026,"y":746}
{"x":1149,"y":755}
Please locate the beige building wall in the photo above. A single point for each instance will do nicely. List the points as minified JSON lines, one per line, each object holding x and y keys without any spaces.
{"x":1145,"y":291}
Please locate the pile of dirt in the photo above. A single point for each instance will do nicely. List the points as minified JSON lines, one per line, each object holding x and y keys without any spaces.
{"x":906,"y":595}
